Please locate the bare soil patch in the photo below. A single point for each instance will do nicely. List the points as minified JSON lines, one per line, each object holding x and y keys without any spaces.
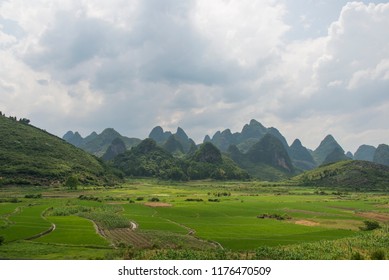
{"x":158,"y":204}
{"x":306,"y":223}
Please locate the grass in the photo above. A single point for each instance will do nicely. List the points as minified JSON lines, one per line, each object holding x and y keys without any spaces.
{"x":31,"y":156}
{"x":191,"y":225}
{"x":73,"y":230}
{"x":25,"y":223}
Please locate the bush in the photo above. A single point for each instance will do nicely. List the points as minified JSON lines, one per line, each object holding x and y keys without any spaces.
{"x":194,"y":199}
{"x":378,"y":255}
{"x":356,"y":256}
{"x":154,"y":199}
{"x":1,"y":240}
{"x":370,"y":225}
{"x":71,"y":183}
{"x":33,"y":195}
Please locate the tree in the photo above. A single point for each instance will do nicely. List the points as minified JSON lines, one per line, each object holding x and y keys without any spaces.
{"x":1,"y":240}
{"x":72,"y":183}
{"x":24,"y":121}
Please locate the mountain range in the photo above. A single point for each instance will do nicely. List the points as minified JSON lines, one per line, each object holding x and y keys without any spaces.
{"x":29,"y":155}
{"x":97,"y":144}
{"x":263,"y":152}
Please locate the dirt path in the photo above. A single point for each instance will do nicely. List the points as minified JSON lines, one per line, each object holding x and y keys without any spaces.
{"x":46,"y":232}
{"x":192,"y":232}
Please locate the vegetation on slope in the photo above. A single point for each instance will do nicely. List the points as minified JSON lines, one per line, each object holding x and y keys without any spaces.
{"x":150,"y":160}
{"x":349,"y":174}
{"x":31,"y":156}
{"x":267,"y":159}
{"x":325,"y":148}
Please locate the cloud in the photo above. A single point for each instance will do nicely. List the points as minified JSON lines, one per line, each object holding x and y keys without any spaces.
{"x":202,"y":65}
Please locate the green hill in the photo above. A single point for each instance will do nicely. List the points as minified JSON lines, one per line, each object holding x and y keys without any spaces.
{"x":300,"y":156}
{"x":381,"y":154}
{"x":365,"y":152}
{"x":327,"y":146}
{"x":117,"y":147}
{"x":270,"y":150}
{"x":349,"y":174}
{"x":267,"y":159}
{"x":31,"y":156}
{"x":150,"y":160}
{"x":178,"y":143}
{"x":336,"y":155}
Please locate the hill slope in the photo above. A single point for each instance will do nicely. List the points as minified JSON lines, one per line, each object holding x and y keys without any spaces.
{"x":327,"y":146}
{"x":150,"y":160}
{"x":31,"y":156}
{"x":381,"y":154}
{"x":365,"y":152}
{"x":300,"y":156}
{"x":266,"y":159}
{"x":349,"y":174}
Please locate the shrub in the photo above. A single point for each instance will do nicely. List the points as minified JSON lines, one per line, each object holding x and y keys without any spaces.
{"x":370,"y":225}
{"x":71,"y":183}
{"x":33,"y":195}
{"x":1,"y":240}
{"x":154,"y":199}
{"x":194,"y":199}
{"x":378,"y":255}
{"x":356,"y":256}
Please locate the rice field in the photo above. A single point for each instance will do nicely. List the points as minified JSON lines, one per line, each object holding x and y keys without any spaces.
{"x":236,"y":217}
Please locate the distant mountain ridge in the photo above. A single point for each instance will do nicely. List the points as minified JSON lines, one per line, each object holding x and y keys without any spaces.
{"x":97,"y":144}
{"x":238,"y":146}
{"x":267,"y":159}
{"x":177,"y":143}
{"x":301,"y":157}
{"x":326,"y":147}
{"x":251,"y":133}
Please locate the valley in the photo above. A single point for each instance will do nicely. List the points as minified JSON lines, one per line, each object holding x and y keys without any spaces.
{"x":244,"y":195}
{"x":153,"y":219}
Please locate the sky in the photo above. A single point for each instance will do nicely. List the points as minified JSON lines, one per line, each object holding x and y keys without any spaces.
{"x":309,"y":68}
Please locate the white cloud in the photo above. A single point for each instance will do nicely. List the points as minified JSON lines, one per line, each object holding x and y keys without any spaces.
{"x":243,"y":31}
{"x":202,"y":65}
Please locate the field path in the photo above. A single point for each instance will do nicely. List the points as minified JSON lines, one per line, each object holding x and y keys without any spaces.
{"x":134,"y":225}
{"x":46,"y":232}
{"x":192,"y":232}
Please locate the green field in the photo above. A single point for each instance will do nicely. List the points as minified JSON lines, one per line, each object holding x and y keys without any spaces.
{"x":149,"y":219}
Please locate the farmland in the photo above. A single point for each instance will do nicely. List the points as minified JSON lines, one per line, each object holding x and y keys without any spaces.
{"x":150,"y":219}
